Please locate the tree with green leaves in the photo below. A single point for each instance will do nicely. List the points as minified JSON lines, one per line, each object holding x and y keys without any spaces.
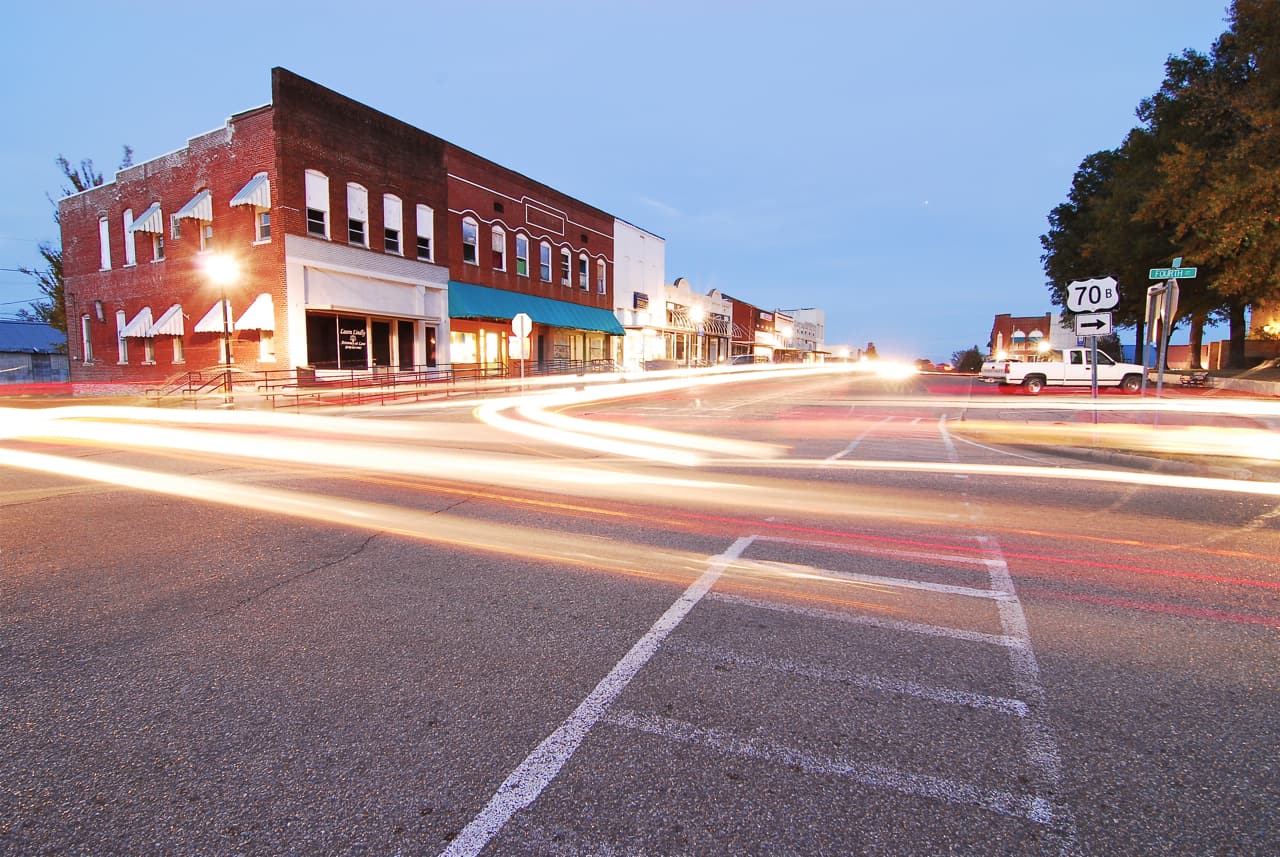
{"x":1199,"y":178}
{"x":52,"y":309}
{"x":968,"y":360}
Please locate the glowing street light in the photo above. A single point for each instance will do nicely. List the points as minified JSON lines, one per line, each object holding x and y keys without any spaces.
{"x":223,"y":271}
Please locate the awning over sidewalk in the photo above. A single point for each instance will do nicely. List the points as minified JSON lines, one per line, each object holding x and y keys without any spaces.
{"x":469,"y":301}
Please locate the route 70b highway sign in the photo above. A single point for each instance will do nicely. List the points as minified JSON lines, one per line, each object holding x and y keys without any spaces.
{"x":1092,"y":295}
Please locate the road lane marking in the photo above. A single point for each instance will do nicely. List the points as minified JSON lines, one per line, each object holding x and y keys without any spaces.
{"x":857,"y":440}
{"x":835,"y":675}
{"x":1028,"y":807}
{"x":541,"y":766}
{"x":870,"y":550}
{"x":787,"y":569}
{"x":862,"y":619}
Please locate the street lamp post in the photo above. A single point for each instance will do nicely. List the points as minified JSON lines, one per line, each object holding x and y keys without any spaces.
{"x":224,"y":271}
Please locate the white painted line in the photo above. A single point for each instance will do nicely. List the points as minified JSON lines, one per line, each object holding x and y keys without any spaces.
{"x":786,"y":569}
{"x":857,"y":440}
{"x":870,"y":550}
{"x":1034,"y":809}
{"x":834,"y":675}
{"x":542,"y":765}
{"x":1042,"y":748}
{"x":862,"y":619}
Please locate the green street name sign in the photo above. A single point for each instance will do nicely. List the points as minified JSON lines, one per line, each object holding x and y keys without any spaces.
{"x":1172,"y":273}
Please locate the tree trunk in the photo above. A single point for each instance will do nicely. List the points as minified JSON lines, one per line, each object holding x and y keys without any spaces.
{"x":1235,"y":350}
{"x":1196,"y":339}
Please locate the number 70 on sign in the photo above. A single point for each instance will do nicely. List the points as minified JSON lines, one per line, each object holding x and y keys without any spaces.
{"x":1092,"y":295}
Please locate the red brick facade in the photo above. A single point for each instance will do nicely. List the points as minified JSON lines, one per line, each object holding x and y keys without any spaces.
{"x":310,"y":128}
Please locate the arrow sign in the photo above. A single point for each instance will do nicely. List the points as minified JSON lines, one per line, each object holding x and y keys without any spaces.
{"x":1093,"y":324}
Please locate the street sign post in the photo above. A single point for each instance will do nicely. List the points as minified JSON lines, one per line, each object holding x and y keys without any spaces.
{"x":521,"y":326}
{"x":1162,"y":312}
{"x":1093,"y":295}
{"x":1087,"y":297}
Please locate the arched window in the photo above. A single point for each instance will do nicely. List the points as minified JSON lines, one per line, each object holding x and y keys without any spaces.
{"x":522,"y":255}
{"x":499,"y":245}
{"x":470,"y":241}
{"x":544,"y":261}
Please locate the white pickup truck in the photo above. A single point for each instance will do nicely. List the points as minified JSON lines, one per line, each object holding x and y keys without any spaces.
{"x":1067,"y":368}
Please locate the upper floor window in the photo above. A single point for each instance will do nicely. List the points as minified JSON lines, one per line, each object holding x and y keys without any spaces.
{"x":206,"y":237}
{"x":392,"y":223}
{"x":257,"y":193}
{"x":104,"y":244}
{"x":317,"y":204}
{"x":566,"y":267}
{"x":544,"y":261}
{"x":426,"y":232}
{"x":470,"y":241}
{"x":584,"y":273}
{"x":499,"y":245}
{"x":130,"y":249}
{"x":357,"y":215}
{"x":522,"y":255}
{"x":157,"y":247}
{"x":600,"y":276}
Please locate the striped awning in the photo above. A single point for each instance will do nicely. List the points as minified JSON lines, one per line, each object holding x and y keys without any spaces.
{"x":261,"y":315}
{"x":139,"y":326}
{"x":256,"y":193}
{"x":150,"y":220}
{"x":169,"y":324}
{"x":200,"y":208}
{"x":214,"y":321}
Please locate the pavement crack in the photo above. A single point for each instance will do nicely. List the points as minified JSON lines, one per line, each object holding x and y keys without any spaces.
{"x":248,"y":599}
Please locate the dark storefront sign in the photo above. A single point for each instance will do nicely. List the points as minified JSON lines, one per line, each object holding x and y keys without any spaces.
{"x":640,"y":300}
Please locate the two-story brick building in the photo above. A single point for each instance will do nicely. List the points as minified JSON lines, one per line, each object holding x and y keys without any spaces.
{"x":359,"y":242}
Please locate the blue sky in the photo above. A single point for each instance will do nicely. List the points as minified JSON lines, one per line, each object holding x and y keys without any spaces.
{"x":891,"y":162}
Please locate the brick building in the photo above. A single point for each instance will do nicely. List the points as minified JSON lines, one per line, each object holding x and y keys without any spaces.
{"x":361,"y":243}
{"x":1024,"y":336}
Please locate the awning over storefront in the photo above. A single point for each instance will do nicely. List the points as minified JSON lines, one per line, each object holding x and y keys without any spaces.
{"x":150,"y":220}
{"x":169,"y":324}
{"x":468,"y":301}
{"x":261,"y":315}
{"x":256,"y":193}
{"x":213,"y":320}
{"x":200,"y":208}
{"x":138,"y":326}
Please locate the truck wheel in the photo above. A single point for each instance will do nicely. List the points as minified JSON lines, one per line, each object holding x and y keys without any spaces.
{"x":1131,"y":383}
{"x":1033,"y":384}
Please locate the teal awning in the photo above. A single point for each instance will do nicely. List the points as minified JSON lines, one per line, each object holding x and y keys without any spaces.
{"x":468,"y":301}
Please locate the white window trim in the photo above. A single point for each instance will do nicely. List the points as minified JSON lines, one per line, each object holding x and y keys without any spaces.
{"x":122,"y":344}
{"x":392,"y":221}
{"x":475,"y":245}
{"x":566,"y":267}
{"x":104,"y":244}
{"x":426,"y":228}
{"x":86,"y":338}
{"x":257,"y":226}
{"x":498,"y":236}
{"x":130,"y":249}
{"x":544,"y":252}
{"x":521,"y":238}
{"x":317,"y":199}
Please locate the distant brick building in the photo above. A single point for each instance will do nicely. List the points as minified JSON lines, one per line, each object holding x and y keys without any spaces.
{"x":362,"y":243}
{"x":1022,"y":336}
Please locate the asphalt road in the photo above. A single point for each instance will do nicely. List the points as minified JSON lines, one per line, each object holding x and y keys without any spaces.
{"x":851,"y":628}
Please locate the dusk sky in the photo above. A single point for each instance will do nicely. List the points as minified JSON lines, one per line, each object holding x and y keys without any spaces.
{"x":890,"y":162}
